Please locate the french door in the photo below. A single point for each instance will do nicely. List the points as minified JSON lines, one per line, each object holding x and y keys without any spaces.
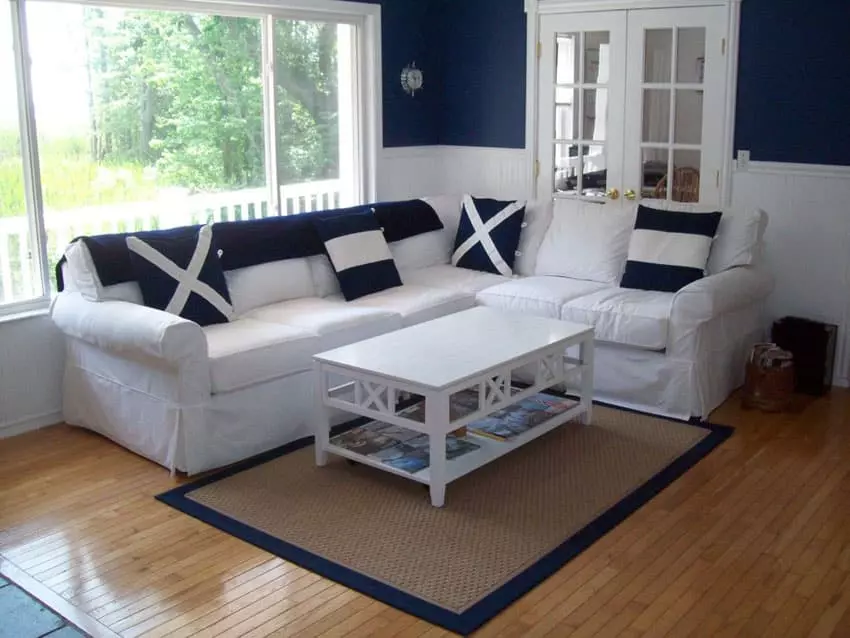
{"x":632,"y":105}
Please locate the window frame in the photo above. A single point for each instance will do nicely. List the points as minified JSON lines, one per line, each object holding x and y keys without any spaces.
{"x":368,"y":100}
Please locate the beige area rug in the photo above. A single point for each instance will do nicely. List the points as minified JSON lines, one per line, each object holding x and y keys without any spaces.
{"x":505,"y":527}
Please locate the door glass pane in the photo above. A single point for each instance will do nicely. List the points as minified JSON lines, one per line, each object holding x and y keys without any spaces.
{"x":567,"y":171}
{"x":314,"y":70}
{"x":658,"y":55}
{"x":595,"y":174}
{"x":565,"y":125}
{"x":686,"y":176}
{"x":596,"y":59}
{"x":18,"y":278}
{"x":688,"y":116}
{"x":595,"y":114}
{"x":654,"y":168}
{"x":566,"y":59}
{"x":656,"y":115}
{"x":146,"y":119}
{"x":690,"y":58}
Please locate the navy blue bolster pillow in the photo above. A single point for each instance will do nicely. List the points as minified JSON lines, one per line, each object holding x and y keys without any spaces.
{"x":258,"y":241}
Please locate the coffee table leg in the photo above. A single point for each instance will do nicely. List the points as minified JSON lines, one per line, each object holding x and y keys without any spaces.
{"x":322,"y":424}
{"x":586,"y":356}
{"x":437,"y":420}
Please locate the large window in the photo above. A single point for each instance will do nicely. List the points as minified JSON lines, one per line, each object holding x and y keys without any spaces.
{"x":136,"y":118}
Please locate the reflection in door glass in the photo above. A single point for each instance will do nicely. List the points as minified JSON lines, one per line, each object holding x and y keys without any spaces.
{"x":567,"y":173}
{"x":658,"y":55}
{"x":566,"y":113}
{"x":690,"y":57}
{"x":566,"y":60}
{"x":688,"y":116}
{"x":596,"y":58}
{"x":594,"y":178}
{"x":595,"y":114}
{"x":656,"y":115}
{"x":654,"y":163}
{"x":686,"y":176}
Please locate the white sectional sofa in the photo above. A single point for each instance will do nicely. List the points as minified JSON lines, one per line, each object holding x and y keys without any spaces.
{"x":193,"y":398}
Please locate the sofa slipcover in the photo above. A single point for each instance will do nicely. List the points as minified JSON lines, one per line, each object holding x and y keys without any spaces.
{"x":246,"y":351}
{"x":638,"y":318}
{"x":335,"y":322}
{"x":448,"y":277}
{"x":416,"y":304}
{"x":540,"y":296}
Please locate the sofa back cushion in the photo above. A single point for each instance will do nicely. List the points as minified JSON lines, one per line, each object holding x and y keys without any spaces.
{"x":256,"y":286}
{"x":740,"y":236}
{"x":585,"y":241}
{"x":433,"y":248}
{"x":538,"y":217}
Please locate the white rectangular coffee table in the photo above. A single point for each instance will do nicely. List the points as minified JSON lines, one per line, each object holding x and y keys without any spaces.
{"x":479,"y":349}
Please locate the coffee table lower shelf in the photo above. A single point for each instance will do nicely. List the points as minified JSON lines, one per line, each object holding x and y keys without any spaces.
{"x":489,"y":450}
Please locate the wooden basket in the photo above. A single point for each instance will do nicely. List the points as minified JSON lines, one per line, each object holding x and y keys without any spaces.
{"x":768,"y":389}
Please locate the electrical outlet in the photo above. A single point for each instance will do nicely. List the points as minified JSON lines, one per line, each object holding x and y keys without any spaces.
{"x":743,"y":160}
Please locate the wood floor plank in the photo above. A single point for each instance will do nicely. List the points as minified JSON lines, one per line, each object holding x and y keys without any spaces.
{"x":753,"y":541}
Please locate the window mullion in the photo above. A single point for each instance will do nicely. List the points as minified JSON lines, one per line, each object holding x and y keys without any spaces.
{"x":270,"y":116}
{"x":29,"y":145}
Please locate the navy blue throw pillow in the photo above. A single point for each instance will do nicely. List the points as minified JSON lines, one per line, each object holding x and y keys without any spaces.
{"x":668,"y":249}
{"x":488,"y":235}
{"x":359,"y":253}
{"x":181,"y":273}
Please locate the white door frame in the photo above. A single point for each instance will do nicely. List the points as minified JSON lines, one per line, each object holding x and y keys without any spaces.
{"x":535,"y":8}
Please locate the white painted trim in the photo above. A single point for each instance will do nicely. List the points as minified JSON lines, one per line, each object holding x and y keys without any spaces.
{"x":583,"y":6}
{"x":531,"y":91}
{"x":733,"y":39}
{"x":790,"y":168}
{"x":30,"y":423}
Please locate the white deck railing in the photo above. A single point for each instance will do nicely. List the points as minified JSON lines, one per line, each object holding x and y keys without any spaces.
{"x":18,"y":281}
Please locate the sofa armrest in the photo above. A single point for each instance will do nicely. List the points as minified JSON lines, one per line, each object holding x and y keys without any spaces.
{"x":715,"y":296}
{"x":129,"y":329}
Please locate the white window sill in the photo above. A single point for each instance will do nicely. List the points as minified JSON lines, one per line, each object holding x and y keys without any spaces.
{"x":36,"y":309}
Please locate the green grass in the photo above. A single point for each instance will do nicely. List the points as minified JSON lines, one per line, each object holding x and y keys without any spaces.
{"x":69,"y":178}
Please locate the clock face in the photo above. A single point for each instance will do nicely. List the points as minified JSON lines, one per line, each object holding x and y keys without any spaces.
{"x":414,"y":79}
{"x":411,"y":79}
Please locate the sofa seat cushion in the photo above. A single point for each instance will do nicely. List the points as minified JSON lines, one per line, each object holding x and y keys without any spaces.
{"x":638,"y":318}
{"x":336,"y":322}
{"x":246,"y":351}
{"x":540,"y":296}
{"x":416,"y":304}
{"x":453,"y":278}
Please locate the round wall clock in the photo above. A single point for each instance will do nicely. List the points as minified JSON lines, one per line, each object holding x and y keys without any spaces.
{"x":411,"y":79}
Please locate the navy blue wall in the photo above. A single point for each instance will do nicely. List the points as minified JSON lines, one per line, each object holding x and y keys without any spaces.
{"x":407,"y":36}
{"x":483,"y":73}
{"x":793,"y":87}
{"x":794,"y":81}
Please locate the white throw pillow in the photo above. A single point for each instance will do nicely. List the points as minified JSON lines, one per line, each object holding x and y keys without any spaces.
{"x":739,"y":236}
{"x":81,"y":275}
{"x":538,"y":216}
{"x":586,"y":241}
{"x":264,"y":284}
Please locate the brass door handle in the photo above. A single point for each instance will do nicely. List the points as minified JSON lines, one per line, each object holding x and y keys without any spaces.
{"x":630,"y":195}
{"x":612,"y":193}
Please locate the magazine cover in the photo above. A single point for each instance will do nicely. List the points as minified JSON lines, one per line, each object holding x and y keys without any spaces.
{"x":520,"y":417}
{"x":398,"y":447}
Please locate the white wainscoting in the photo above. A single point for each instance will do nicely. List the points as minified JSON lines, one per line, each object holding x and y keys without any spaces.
{"x":32,"y":354}
{"x":807,"y":242}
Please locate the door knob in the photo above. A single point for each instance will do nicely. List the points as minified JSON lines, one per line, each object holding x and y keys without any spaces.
{"x":612,"y":193}
{"x":630,"y":195}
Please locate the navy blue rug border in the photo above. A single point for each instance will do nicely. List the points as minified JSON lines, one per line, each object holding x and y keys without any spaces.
{"x":487,"y":608}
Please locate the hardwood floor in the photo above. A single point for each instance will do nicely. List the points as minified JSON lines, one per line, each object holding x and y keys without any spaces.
{"x":754,"y":541}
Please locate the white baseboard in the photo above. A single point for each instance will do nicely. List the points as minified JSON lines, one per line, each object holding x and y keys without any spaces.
{"x":30,"y":423}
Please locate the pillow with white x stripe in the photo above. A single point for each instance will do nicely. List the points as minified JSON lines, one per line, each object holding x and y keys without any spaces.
{"x":179,"y":271}
{"x":488,"y":235}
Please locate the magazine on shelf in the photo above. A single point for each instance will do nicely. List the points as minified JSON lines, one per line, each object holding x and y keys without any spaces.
{"x":515,"y":419}
{"x":397,"y":446}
